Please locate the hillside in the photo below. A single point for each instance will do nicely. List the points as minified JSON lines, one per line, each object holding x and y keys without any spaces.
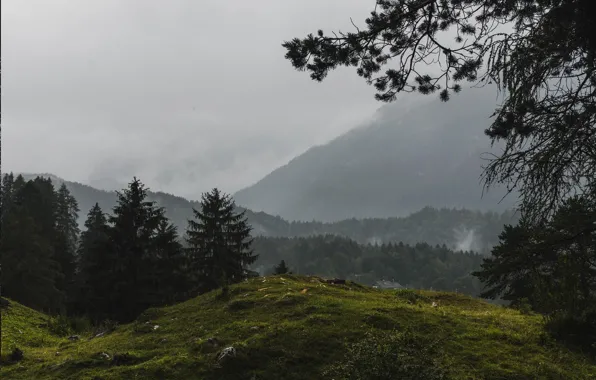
{"x":178,"y":209}
{"x":406,"y":158}
{"x":459,"y":229}
{"x":298,"y":328}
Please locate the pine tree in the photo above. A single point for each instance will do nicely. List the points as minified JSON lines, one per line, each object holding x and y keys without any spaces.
{"x":131,"y":235}
{"x":170,"y":264}
{"x":282,"y":268}
{"x":29,"y":271}
{"x":95,"y":266}
{"x":219,"y":243}
{"x":66,"y":239}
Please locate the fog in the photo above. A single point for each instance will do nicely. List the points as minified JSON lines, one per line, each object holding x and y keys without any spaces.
{"x":186,"y":95}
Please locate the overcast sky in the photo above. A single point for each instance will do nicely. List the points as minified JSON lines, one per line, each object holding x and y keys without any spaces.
{"x":184,"y":94}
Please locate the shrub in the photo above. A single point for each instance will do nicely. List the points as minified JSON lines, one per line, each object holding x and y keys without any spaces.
{"x":405,"y":356}
{"x":411,"y":296}
{"x":60,"y":325}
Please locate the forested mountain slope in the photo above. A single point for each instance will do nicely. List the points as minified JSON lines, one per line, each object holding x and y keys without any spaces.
{"x":406,"y":158}
{"x":459,"y":229}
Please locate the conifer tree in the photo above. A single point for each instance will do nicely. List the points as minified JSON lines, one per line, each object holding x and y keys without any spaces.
{"x":66,"y":238}
{"x":30,"y":272}
{"x":282,"y":268}
{"x":170,"y":265}
{"x":219,"y":243}
{"x":94,"y":267}
{"x":131,"y":236}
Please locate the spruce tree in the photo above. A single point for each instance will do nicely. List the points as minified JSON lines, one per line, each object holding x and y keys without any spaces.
{"x":66,"y":239}
{"x":29,"y":270}
{"x":282,"y":268}
{"x":131,"y":234}
{"x":219,"y":243}
{"x":95,"y":266}
{"x":170,"y":265}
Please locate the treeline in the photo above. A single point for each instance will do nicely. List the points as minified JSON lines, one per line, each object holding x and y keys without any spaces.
{"x":419,"y":266}
{"x":457,"y":228}
{"x":550,"y":268}
{"x":120,"y":264}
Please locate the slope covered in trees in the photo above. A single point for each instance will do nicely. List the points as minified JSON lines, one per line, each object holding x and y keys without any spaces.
{"x":457,"y":228}
{"x":419,"y":266}
{"x":123,"y":262}
{"x":404,"y":159}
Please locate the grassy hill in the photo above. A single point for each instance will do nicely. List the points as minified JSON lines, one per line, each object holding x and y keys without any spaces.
{"x":289,"y":327}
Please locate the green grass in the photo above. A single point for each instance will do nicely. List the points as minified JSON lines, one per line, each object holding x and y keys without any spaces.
{"x":280,"y":331}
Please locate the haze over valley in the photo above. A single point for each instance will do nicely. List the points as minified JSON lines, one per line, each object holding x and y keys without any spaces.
{"x":298,"y":189}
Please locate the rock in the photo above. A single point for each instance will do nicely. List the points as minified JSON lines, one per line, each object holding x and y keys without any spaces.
{"x":104,"y":355}
{"x":228,"y":352}
{"x":74,"y":338}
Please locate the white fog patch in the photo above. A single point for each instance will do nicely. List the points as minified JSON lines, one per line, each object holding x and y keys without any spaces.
{"x":466,"y":239}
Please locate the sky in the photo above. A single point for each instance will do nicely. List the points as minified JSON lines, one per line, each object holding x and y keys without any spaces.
{"x":187,"y":95}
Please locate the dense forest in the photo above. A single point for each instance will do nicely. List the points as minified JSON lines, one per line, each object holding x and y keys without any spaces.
{"x":459,"y":229}
{"x":120,"y":263}
{"x":420,"y":266}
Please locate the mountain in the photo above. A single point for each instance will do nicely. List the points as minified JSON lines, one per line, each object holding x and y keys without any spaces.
{"x":426,"y":153}
{"x":294,"y":327}
{"x":459,"y":229}
{"x":178,"y":209}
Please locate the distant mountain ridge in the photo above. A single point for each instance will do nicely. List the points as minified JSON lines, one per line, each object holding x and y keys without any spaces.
{"x":458,"y":229}
{"x":402,"y":161}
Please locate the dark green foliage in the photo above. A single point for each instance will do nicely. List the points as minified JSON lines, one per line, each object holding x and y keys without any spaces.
{"x":94,"y":266}
{"x":66,"y":240}
{"x":171,"y":264}
{"x":219,"y":243}
{"x":30,"y":270}
{"x":281,"y":268}
{"x":416,"y":266}
{"x":141,"y":244}
{"x":129,"y":261}
{"x":544,"y":61}
{"x":431,"y":225}
{"x":551,"y":267}
{"x":397,"y":355}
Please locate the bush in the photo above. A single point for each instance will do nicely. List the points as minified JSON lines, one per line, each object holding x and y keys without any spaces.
{"x":60,"y":325}
{"x":411,"y":296}
{"x":106,"y":326}
{"x":405,"y":356}
{"x":81,"y":324}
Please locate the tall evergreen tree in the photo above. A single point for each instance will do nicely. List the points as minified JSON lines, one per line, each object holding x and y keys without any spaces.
{"x":30,"y":271}
{"x":66,"y":238}
{"x":170,"y":264}
{"x":131,"y":234}
{"x":219,"y":243}
{"x":281,"y":268}
{"x":552,"y":265}
{"x":95,"y":266}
